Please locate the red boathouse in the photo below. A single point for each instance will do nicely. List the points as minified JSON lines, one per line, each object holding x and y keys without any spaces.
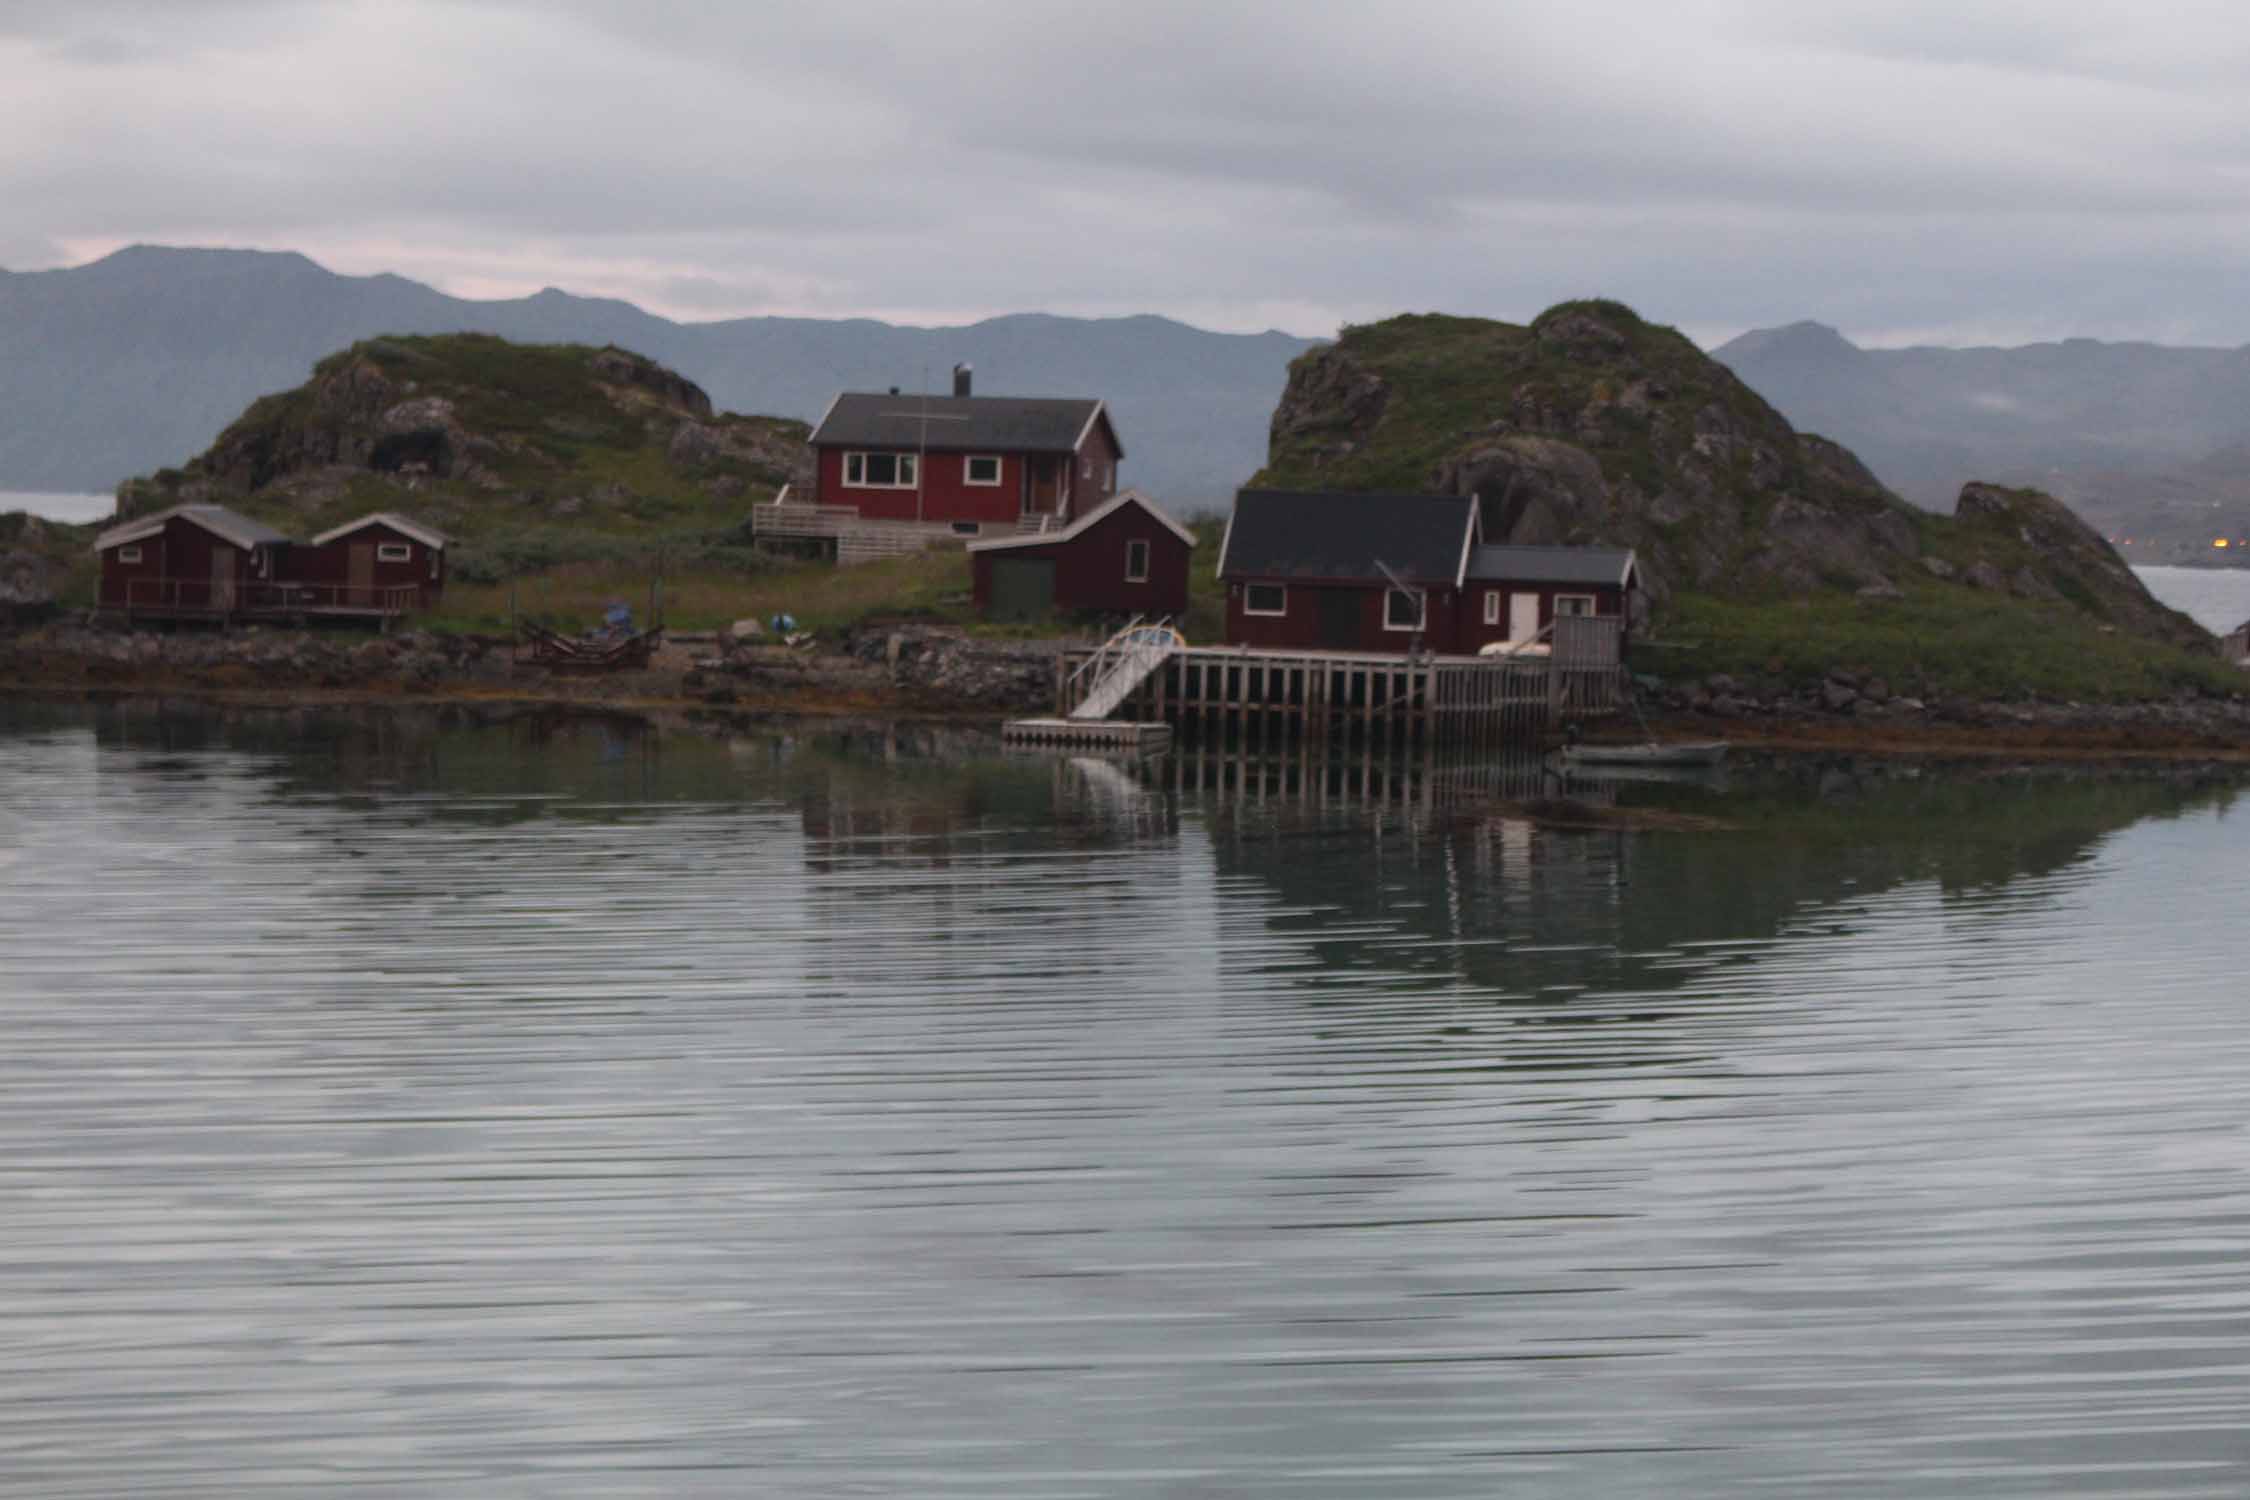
{"x":1126,"y":557}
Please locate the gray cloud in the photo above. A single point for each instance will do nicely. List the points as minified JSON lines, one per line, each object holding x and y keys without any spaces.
{"x":1904,"y":168}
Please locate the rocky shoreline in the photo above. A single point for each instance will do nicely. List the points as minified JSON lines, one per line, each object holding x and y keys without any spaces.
{"x":931,"y":672}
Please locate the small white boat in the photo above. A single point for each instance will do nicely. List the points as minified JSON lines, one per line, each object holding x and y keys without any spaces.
{"x":1647,"y":753}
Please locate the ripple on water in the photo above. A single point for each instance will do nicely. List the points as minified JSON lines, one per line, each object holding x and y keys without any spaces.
{"x":457,"y":1143}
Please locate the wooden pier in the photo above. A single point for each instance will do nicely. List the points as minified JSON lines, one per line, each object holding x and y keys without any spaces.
{"x":1242,"y":694}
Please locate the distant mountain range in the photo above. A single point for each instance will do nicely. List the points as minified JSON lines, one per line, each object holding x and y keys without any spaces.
{"x":2146,"y":441}
{"x":136,"y":361}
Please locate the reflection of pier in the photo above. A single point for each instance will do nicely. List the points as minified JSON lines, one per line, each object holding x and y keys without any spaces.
{"x":1318,"y":776}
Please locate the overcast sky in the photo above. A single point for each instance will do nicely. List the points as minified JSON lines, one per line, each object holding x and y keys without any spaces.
{"x":1909,"y":170}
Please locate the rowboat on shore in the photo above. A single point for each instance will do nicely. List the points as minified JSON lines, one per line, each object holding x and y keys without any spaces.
{"x":1647,"y":753}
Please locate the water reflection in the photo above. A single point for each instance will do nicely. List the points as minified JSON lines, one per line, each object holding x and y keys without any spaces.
{"x":533,"y":1106}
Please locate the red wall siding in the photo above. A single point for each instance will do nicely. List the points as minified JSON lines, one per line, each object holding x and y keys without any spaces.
{"x":946,"y":496}
{"x":1093,"y":475}
{"x":1475,"y":633}
{"x":1090,"y":568}
{"x":1300,"y":628}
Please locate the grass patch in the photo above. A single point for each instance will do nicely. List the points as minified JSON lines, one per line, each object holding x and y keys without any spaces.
{"x":1939,"y":641}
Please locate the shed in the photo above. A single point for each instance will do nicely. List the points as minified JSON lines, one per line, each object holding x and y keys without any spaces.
{"x":1125,"y":558}
{"x":382,"y":560}
{"x":1346,"y":572}
{"x":1513,"y":593}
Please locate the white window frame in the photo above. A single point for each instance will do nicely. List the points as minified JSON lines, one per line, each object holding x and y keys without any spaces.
{"x":1493,"y":600}
{"x":129,"y":554}
{"x":907,"y":469}
{"x":1085,"y":468}
{"x":1421,"y":598}
{"x":394,"y":552}
{"x":1585,"y":599}
{"x":969,"y":461}
{"x":1140,"y":574}
{"x":1249,"y":591}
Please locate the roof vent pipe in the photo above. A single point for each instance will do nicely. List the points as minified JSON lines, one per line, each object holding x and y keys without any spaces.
{"x":961,"y":380}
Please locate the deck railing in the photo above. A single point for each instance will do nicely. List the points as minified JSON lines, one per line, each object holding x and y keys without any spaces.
{"x":221,"y":600}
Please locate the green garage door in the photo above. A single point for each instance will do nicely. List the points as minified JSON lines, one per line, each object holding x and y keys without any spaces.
{"x":1023,"y":588}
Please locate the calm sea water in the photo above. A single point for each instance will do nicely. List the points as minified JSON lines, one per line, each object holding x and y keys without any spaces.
{"x":2218,"y":599}
{"x":76,"y":509}
{"x":399,"y":1106}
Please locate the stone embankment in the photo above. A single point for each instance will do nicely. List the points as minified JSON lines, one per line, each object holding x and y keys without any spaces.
{"x":918,"y":670}
{"x":1771,"y":707}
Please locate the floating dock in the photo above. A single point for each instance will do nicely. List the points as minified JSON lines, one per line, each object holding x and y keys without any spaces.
{"x":1089,"y":734}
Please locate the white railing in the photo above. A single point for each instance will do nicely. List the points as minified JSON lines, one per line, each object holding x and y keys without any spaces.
{"x":1123,"y":664}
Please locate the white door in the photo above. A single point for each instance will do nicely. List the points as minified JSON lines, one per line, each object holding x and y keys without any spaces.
{"x":1523,"y":616}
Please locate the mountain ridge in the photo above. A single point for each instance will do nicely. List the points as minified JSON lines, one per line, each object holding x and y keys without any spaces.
{"x":119,"y":366}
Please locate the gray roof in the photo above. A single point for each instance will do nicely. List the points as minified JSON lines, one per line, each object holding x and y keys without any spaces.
{"x":1329,"y":534}
{"x":1608,"y":566}
{"x":958,"y":424}
{"x":217,"y":519}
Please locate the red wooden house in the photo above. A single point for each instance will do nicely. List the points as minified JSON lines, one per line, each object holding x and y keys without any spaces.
{"x":1346,"y":572}
{"x":206,"y":562}
{"x":976,"y":463}
{"x":1126,"y":557}
{"x":1394,"y":573}
{"x":379,"y":560}
{"x":191,"y":560}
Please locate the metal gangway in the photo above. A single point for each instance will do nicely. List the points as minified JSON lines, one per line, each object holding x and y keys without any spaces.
{"x":1122,"y":664}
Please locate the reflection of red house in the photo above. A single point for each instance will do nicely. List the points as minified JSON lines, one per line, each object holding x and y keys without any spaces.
{"x":977,"y":463}
{"x":206,"y":562}
{"x":1124,"y":558}
{"x":1389,"y":573}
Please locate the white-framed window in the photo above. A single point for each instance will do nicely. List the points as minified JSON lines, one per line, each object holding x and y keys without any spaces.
{"x":128,"y":554}
{"x":981,"y":469}
{"x":1085,"y":468}
{"x":1265,"y":599}
{"x":1404,"y":609}
{"x":881,"y":471}
{"x":1492,"y":598}
{"x":1136,"y":561}
{"x":1574,"y":604}
{"x":393,"y":552}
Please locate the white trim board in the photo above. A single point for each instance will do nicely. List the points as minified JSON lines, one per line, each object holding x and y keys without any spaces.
{"x":1087,"y":522}
{"x":396,"y":522}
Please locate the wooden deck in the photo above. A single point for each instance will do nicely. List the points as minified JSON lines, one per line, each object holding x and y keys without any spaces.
{"x":1268,"y":696}
{"x":201,"y":600}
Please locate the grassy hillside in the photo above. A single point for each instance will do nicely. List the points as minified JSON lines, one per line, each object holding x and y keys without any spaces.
{"x":1767,"y":552}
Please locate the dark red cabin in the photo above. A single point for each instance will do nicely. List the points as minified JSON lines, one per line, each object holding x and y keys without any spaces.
{"x":977,"y":463}
{"x":1393,"y":573}
{"x":1126,"y":558}
{"x":190,"y":561}
{"x":380,"y":561}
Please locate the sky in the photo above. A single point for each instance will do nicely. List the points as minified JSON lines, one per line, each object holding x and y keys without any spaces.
{"x":1943,"y":171}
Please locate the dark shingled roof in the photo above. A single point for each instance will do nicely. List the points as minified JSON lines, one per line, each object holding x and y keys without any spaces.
{"x":1325,"y":534}
{"x":1603,"y":565}
{"x":957,"y":424}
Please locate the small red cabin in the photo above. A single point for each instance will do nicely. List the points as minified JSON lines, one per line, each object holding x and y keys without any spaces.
{"x":191,"y":560}
{"x":1126,"y":558}
{"x":977,"y":463}
{"x":383,"y":560}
